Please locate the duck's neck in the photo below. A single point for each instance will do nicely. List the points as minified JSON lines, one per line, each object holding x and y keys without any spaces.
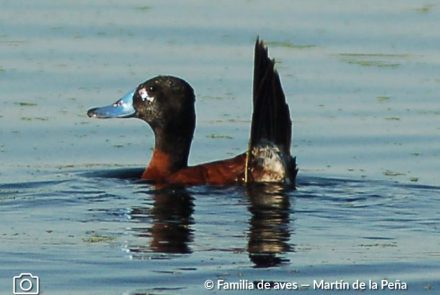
{"x":171,"y":151}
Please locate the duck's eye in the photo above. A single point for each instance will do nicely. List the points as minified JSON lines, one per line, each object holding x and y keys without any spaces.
{"x":151,"y":88}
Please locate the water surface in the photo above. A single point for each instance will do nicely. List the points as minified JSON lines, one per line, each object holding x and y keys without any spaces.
{"x":362,"y":81}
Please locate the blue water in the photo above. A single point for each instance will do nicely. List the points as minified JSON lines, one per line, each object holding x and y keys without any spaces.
{"x":103,"y":234}
{"x":362,"y":81}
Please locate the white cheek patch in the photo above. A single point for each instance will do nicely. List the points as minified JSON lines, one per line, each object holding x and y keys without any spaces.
{"x":144,"y":95}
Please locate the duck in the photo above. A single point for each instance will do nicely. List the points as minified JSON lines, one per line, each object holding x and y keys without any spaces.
{"x":167,"y":104}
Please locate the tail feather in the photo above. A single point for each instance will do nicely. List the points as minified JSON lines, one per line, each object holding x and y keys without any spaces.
{"x":269,"y":146}
{"x":271,"y":117}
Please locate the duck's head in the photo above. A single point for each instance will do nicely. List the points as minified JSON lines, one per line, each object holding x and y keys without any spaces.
{"x":166,"y":103}
{"x":161,"y":101}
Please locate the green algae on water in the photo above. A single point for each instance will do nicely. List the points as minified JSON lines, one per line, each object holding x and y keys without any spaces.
{"x":393,"y":173}
{"x":26,"y":104}
{"x":373,"y":63}
{"x":379,"y":60}
{"x":425,"y":9}
{"x":97,"y":238}
{"x":34,"y":118}
{"x":392,"y":118}
{"x":288,"y":44}
{"x":218,"y":136}
{"x":382,"y":98}
{"x":143,"y":8}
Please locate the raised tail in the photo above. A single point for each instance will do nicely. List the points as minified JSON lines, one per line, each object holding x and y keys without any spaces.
{"x":268,"y":156}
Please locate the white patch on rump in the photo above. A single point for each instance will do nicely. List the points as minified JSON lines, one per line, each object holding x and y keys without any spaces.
{"x":268,"y":164}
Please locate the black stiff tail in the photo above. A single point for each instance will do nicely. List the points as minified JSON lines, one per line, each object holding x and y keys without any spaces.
{"x":271,"y":117}
{"x":268,"y":158}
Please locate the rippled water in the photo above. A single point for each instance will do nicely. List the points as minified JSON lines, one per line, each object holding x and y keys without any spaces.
{"x":94,"y":232}
{"x":362,"y":80}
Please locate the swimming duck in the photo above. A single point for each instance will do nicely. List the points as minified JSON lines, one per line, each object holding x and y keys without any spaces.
{"x":166,"y":103}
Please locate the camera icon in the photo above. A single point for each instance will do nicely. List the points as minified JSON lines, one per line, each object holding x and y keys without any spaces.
{"x":25,"y":284}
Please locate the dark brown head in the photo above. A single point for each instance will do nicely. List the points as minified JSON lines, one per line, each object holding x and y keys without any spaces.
{"x":166,"y":103}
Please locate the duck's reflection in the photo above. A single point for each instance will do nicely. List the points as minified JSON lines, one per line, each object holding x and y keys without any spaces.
{"x":168,"y":224}
{"x":171,"y":220}
{"x":269,"y":237}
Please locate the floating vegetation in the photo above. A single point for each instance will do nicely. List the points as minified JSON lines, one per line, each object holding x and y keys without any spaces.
{"x":2,"y":70}
{"x":379,"y":60}
{"x":143,"y":7}
{"x":288,"y":44}
{"x":393,"y":173}
{"x":382,"y":98}
{"x":13,"y":42}
{"x":212,"y":97}
{"x":26,"y":104}
{"x":414,"y":179}
{"x":389,"y":55}
{"x":218,"y":136}
{"x":425,"y":8}
{"x":96,"y":238}
{"x":373,"y":63}
{"x":392,"y":118}
{"x":34,"y":118}
{"x":381,"y":245}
